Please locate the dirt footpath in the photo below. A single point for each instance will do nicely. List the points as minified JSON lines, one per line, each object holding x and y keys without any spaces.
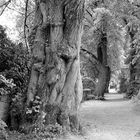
{"x":112,"y":119}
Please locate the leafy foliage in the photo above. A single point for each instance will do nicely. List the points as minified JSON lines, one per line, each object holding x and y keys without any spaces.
{"x":123,"y":24}
{"x":33,"y":111}
{"x":103,"y":21}
{"x":14,"y":65}
{"x":132,"y":52}
{"x":99,"y":20}
{"x":39,"y":133}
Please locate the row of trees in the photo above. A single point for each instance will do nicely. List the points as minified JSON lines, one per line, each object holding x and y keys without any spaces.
{"x":131,"y":22}
{"x":103,"y":40}
{"x":119,"y":22}
{"x":46,"y":67}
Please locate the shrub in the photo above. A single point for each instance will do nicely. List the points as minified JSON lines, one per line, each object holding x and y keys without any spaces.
{"x":39,"y":132}
{"x":15,"y":64}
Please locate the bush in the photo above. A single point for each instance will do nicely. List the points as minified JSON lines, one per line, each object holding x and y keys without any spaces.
{"x":133,"y":88}
{"x":39,"y":132}
{"x":15,"y":64}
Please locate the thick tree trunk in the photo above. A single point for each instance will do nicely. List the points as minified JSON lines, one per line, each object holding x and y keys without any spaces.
{"x":102,"y":82}
{"x":55,"y":75}
{"x":104,"y":70}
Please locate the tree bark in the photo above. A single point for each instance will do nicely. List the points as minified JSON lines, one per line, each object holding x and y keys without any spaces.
{"x":104,"y":70}
{"x":102,"y":82}
{"x":55,"y":75}
{"x":104,"y":73}
{"x":108,"y":79}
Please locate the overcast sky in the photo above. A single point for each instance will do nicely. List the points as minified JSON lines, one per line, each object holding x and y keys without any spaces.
{"x":8,"y":20}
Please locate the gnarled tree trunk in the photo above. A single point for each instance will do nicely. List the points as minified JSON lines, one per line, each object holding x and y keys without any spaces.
{"x":55,"y":75}
{"x":102,"y":81}
{"x":104,"y":70}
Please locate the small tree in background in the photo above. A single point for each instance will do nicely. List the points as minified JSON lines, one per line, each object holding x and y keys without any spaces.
{"x":104,"y":38}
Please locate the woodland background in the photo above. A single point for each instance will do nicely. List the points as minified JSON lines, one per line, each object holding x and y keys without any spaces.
{"x":109,"y":58}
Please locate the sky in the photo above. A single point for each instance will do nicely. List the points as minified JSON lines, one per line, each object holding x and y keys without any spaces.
{"x":8,"y":20}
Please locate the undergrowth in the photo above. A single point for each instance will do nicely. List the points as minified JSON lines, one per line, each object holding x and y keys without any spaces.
{"x":49,"y":132}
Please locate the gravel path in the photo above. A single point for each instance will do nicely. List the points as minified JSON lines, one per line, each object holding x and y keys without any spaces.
{"x":112,"y":119}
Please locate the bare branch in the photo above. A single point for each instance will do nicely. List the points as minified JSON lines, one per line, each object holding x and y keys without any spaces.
{"x":5,"y":5}
{"x":25,"y":25}
{"x":89,"y":13}
{"x":91,"y":54}
{"x":15,"y":10}
{"x":30,"y":13}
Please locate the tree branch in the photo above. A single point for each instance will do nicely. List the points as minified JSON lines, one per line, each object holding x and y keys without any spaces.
{"x":15,"y":10}
{"x":6,"y":5}
{"x":25,"y":25}
{"x":91,"y":54}
{"x":89,"y":13}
